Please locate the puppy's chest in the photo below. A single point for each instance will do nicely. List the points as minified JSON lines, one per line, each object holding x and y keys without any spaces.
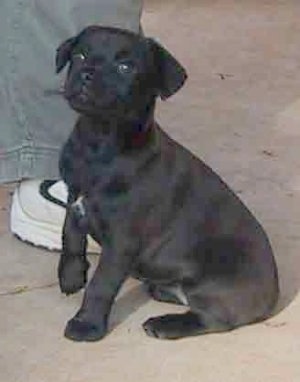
{"x":86,"y":164}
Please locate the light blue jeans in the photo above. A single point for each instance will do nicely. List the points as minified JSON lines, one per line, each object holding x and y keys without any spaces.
{"x":34,"y":121}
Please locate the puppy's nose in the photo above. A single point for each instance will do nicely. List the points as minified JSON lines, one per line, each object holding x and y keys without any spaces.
{"x":86,"y":76}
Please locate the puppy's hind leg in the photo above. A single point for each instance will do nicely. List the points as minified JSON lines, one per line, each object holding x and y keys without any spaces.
{"x":232,"y":289}
{"x":210,"y":319}
{"x":174,"y":326}
{"x":170,"y":295}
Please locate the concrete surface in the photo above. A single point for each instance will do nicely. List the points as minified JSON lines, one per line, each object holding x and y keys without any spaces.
{"x":240,"y":111}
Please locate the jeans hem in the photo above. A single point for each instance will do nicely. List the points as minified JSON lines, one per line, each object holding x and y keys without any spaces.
{"x":27,"y":163}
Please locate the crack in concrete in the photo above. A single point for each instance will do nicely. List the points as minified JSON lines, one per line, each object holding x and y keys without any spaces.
{"x":26,"y":289}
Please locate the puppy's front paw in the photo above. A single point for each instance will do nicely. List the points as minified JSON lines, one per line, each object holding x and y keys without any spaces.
{"x":72,"y":273}
{"x":78,"y":329}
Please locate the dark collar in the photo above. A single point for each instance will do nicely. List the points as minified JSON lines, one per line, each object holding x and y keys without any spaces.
{"x":141,"y":134}
{"x":130,"y":135}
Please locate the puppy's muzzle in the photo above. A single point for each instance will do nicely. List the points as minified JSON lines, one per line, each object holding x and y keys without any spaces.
{"x":86,"y":76}
{"x":81,"y":87}
{"x":86,"y":80}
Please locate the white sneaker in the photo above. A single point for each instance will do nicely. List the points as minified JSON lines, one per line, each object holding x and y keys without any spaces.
{"x":38,"y":212}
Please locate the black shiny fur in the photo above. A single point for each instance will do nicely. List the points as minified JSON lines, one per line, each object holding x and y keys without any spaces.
{"x":159,"y":213}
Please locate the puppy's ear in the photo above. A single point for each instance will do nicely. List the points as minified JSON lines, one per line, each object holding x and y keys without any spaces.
{"x":63,"y":53}
{"x":171,"y":75}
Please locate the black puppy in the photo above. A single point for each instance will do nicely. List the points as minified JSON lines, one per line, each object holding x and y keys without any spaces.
{"x":159,"y":213}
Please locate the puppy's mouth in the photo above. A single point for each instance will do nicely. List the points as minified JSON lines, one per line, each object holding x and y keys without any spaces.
{"x":82,"y":103}
{"x":85,"y":102}
{"x":104,"y":100}
{"x":80,"y":97}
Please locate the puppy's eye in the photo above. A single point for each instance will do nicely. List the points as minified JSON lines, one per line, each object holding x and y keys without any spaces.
{"x":125,"y":67}
{"x":80,"y":56}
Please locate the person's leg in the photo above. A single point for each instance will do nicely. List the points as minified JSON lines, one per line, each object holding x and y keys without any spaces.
{"x":35,"y":120}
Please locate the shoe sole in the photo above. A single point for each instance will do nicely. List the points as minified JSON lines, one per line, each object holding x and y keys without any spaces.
{"x":39,"y":234}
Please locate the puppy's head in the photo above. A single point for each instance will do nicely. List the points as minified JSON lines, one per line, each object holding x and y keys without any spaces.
{"x":116,"y":73}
